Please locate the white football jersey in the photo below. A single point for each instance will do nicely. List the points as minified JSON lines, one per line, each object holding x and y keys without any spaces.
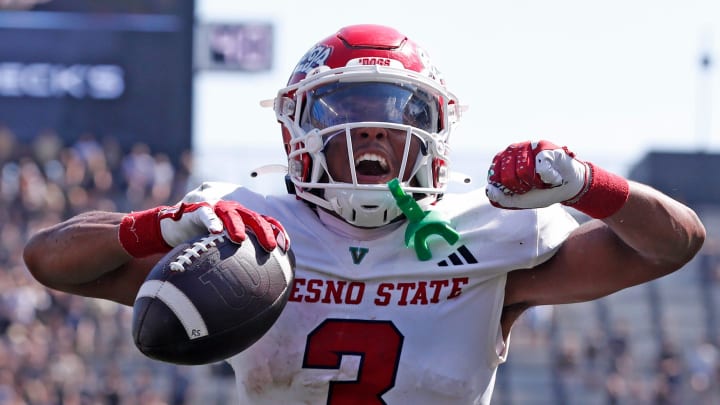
{"x":369,"y":323}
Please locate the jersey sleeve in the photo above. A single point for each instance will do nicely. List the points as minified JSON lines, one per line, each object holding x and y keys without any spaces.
{"x":214,"y":191}
{"x":554,"y":225}
{"x":210,"y":191}
{"x":507,"y":239}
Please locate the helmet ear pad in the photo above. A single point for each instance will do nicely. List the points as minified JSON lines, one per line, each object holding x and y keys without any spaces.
{"x":440,"y":173}
{"x":287,"y":136}
{"x":300,"y":166}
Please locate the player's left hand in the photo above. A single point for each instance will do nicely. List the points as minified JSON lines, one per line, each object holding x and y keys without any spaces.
{"x":535,"y":175}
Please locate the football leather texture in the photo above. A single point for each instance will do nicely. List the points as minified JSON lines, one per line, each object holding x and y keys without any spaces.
{"x":209,"y":299}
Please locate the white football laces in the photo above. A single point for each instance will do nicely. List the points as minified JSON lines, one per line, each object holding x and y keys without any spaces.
{"x":195,"y":250}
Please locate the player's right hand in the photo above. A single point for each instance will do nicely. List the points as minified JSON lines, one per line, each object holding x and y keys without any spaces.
{"x":187,"y":220}
{"x":236,"y":218}
{"x":184,"y":221}
{"x":159,"y":229}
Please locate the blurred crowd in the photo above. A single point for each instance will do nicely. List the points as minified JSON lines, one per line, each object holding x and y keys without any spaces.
{"x":61,"y":349}
{"x":611,"y":365}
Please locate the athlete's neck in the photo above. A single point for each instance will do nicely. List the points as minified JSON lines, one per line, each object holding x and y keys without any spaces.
{"x":342,"y":228}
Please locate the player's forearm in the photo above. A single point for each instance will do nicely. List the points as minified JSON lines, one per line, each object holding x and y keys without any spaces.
{"x":77,"y":251}
{"x":657,"y":227}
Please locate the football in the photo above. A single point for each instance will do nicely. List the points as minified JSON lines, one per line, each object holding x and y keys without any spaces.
{"x":209,"y":299}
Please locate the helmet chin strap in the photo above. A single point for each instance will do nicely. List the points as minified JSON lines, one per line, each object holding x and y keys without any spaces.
{"x":338,"y":225}
{"x":363,"y":208}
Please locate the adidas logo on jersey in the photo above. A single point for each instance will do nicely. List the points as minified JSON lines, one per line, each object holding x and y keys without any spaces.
{"x":460,"y":257}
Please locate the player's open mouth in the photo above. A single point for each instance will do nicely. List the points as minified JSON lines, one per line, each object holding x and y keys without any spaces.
{"x":371,"y":164}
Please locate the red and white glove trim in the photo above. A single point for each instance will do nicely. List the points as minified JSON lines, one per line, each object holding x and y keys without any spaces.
{"x":140,"y":233}
{"x":603,"y":195}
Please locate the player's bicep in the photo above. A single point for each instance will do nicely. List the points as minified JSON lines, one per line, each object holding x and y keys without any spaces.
{"x":593,"y":262}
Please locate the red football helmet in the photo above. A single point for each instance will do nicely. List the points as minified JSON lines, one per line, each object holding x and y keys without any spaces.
{"x":366,"y":77}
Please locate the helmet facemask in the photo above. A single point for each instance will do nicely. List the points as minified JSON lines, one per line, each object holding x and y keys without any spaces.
{"x":337,"y":156}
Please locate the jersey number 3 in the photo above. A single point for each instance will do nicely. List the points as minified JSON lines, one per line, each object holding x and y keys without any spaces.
{"x":377,"y":343}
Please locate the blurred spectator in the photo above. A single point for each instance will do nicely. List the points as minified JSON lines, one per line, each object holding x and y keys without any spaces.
{"x":538,"y":319}
{"x":619,"y":347}
{"x":163,"y":176}
{"x":595,"y":357}
{"x":46,"y":147}
{"x":8,"y":144}
{"x":138,"y":169}
{"x":703,"y":364}
{"x":670,"y":369}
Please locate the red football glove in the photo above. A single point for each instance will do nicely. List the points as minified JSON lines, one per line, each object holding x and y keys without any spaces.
{"x":158,"y":229}
{"x":539,"y":174}
{"x":269,"y":232}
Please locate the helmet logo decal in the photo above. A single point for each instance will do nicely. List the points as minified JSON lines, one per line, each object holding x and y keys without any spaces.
{"x":312,"y":59}
{"x":429,"y":68}
{"x":375,"y":61}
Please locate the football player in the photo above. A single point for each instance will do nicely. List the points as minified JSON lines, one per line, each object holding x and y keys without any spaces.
{"x":369,"y":320}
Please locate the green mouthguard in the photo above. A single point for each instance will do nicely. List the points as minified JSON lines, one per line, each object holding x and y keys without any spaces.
{"x":421,"y":224}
